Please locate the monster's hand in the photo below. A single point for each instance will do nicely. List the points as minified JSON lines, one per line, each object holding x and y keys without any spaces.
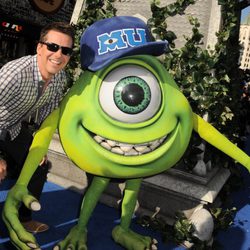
{"x":19,"y":237}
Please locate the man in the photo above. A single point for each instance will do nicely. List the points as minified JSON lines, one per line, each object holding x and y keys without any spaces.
{"x":32,"y":85}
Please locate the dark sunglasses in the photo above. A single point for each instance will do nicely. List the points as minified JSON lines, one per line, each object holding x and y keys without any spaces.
{"x":55,"y":47}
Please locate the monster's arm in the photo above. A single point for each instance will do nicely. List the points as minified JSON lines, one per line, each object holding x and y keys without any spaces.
{"x":39,"y":147}
{"x":210,"y":134}
{"x":19,"y":192}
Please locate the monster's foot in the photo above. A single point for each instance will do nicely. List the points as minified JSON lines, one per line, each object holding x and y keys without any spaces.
{"x":76,"y":239}
{"x":133,"y":241}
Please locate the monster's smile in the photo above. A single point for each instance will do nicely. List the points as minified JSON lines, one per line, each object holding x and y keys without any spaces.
{"x":129,"y":149}
{"x":120,"y":151}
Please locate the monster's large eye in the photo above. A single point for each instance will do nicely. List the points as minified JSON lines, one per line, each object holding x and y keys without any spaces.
{"x":130,"y":94}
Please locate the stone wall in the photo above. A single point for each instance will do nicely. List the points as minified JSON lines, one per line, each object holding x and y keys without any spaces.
{"x":207,"y":12}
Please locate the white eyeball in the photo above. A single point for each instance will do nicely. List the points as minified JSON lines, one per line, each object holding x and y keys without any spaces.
{"x":130,"y":94}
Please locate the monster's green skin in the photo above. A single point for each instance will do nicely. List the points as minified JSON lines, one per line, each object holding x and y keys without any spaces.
{"x":79,"y":116}
{"x":173,"y":118}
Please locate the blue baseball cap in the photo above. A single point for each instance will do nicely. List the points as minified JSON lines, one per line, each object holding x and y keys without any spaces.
{"x":116,"y":37}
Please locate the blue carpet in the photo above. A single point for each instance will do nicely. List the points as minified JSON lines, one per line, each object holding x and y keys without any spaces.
{"x":60,"y":209}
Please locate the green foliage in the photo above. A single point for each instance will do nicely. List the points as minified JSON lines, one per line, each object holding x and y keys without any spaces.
{"x":94,"y":10}
{"x":204,"y":76}
{"x":158,"y":23}
{"x":183,"y":230}
{"x":227,"y":67}
{"x":193,"y":68}
{"x":208,"y":78}
{"x":222,"y":218}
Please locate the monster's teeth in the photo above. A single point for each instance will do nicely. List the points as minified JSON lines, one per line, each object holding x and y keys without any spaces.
{"x":117,"y":150}
{"x":140,"y":148}
{"x":106,"y":145}
{"x":131,"y":152}
{"x":155,"y":144}
{"x":126,"y":148}
{"x":111,"y":143}
{"x":121,"y":144}
{"x":98,"y":138}
{"x":146,"y":150}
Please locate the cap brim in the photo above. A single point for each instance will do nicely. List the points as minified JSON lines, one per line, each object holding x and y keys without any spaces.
{"x":151,"y":48}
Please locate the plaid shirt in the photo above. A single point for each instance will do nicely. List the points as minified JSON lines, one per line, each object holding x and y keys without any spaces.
{"x":21,"y":94}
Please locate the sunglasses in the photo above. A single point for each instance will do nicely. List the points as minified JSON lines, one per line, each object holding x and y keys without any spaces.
{"x":55,"y":47}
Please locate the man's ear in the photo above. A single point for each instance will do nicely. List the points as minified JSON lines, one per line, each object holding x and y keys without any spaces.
{"x":38,"y":48}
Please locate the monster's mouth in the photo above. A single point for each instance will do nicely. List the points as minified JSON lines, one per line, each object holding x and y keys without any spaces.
{"x":129,"y":149}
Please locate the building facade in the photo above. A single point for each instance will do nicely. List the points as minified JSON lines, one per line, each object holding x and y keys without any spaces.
{"x":245,"y":44}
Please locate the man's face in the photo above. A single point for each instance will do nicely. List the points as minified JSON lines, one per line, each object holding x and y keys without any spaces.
{"x":50,"y":62}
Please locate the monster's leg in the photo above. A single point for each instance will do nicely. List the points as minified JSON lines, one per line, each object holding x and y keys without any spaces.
{"x":77,"y":237}
{"x":129,"y":201}
{"x":121,"y":233}
{"x":91,"y":198}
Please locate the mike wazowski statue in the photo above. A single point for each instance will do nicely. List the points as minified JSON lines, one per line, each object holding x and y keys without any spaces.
{"x":124,"y":118}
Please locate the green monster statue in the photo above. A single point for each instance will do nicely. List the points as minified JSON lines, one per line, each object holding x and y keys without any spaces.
{"x":124,"y":118}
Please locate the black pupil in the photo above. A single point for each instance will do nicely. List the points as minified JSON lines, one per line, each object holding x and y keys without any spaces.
{"x":132,"y":94}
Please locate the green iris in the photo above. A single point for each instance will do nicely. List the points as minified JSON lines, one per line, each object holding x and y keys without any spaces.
{"x":132,"y":95}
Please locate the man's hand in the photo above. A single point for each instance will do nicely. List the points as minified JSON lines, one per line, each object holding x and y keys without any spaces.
{"x":3,"y":169}
{"x":44,"y":160}
{"x":18,"y":235}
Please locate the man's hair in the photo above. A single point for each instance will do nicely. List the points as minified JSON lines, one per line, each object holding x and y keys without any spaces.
{"x":62,"y":27}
